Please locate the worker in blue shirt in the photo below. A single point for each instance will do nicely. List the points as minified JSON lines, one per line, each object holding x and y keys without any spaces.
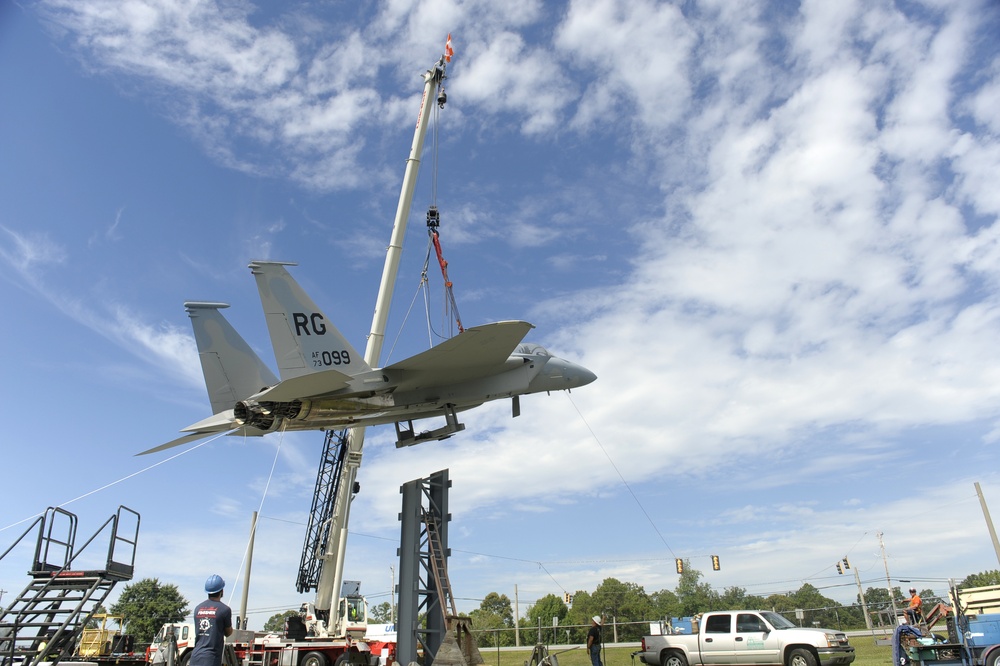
{"x":213,"y":622}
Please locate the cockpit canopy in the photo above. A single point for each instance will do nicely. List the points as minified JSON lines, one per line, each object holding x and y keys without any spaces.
{"x":530,"y":349}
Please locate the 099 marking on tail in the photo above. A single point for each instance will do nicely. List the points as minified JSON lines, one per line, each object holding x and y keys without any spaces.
{"x":322,"y":358}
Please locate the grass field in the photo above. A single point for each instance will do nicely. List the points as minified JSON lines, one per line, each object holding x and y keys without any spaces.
{"x":866,"y":654}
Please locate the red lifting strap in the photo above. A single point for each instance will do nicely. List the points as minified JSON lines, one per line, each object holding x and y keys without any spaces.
{"x":447,"y":281}
{"x":441,"y":261}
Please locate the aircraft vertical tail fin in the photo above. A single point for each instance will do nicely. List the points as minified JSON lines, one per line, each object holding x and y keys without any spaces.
{"x":304,"y":339}
{"x":233,"y":371}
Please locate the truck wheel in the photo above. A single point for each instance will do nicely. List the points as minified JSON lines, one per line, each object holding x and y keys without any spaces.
{"x":992,"y":659}
{"x":674,"y":659}
{"x":186,"y":658}
{"x":801,"y":657}
{"x":314,"y":659}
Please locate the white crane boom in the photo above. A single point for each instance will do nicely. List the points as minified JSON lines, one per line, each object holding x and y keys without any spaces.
{"x":331,"y":577}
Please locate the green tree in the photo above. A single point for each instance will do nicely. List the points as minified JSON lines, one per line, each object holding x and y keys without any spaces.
{"x":623,"y":603}
{"x":147,"y":605}
{"x":494,"y":613}
{"x":277,"y":621}
{"x":695,"y":597}
{"x":540,"y":614}
{"x":578,"y":617}
{"x":818,"y":609}
{"x":381,"y":613}
{"x":736,"y":598}
{"x":981,"y":579}
{"x":877,"y":598}
{"x":779,"y":603}
{"x":93,"y":622}
{"x":880,"y":604}
{"x":665,"y":604}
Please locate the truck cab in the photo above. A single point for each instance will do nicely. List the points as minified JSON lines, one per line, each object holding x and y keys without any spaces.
{"x":353,"y":617}
{"x":184,"y":632}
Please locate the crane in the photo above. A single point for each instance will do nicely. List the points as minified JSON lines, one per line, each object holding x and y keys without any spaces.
{"x":322,"y":565}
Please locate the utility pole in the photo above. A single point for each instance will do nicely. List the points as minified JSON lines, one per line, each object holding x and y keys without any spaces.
{"x":989,"y":521}
{"x":861,"y":596}
{"x":517,"y":629}
{"x":246,"y":574}
{"x":392,"y":594}
{"x":888,"y":581}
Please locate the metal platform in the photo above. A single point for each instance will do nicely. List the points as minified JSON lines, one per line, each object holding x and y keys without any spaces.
{"x":45,"y":620}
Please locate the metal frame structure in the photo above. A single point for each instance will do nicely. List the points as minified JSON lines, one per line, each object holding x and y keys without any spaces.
{"x":418,"y":586}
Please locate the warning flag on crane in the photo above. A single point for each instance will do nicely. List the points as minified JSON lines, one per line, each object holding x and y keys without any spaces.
{"x":448,"y":50}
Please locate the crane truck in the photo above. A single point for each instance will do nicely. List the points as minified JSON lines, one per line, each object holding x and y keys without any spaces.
{"x":322,"y":565}
{"x":294,"y":646}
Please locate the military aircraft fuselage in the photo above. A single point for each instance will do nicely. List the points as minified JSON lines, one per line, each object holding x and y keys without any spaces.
{"x":387,"y":396}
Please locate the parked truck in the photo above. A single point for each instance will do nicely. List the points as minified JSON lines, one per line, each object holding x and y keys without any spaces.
{"x":294,"y":645}
{"x":972,"y":628}
{"x":746,"y":637}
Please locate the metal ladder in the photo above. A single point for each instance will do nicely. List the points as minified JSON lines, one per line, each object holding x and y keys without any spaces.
{"x":45,"y":620}
{"x":439,"y":566}
{"x":459,"y":645}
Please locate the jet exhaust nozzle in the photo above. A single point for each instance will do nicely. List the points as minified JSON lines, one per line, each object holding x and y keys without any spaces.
{"x":252,"y":413}
{"x":265,"y":415}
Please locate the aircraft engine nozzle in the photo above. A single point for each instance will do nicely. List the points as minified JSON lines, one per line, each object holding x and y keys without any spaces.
{"x":252,"y":413}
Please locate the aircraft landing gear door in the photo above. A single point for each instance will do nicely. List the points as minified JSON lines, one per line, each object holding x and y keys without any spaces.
{"x":718,"y":642}
{"x":754,"y":642}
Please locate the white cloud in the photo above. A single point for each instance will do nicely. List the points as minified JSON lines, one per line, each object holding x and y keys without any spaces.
{"x":639,"y":52}
{"x":808,"y":291}
{"x":29,"y":253}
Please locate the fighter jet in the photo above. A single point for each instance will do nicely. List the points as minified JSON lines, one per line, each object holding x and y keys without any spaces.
{"x":326,"y":384}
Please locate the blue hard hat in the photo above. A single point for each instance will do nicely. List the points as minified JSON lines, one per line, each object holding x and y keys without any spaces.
{"x":214,"y":584}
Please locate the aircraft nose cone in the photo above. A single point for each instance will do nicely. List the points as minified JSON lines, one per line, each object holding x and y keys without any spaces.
{"x":586,"y":376}
{"x":560,"y":374}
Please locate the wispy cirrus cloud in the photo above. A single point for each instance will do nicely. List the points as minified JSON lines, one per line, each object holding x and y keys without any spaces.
{"x":28,"y":257}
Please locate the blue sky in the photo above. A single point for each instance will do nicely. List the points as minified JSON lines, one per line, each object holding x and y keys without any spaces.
{"x":769,"y":228}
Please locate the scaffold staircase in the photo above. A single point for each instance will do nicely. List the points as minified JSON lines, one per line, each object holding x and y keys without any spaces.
{"x":45,"y":620}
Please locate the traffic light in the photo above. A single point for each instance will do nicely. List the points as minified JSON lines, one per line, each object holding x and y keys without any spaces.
{"x":680,"y":565}
{"x":567,"y":597}
{"x":847,"y":565}
{"x":715,"y":563}
{"x":839,"y":570}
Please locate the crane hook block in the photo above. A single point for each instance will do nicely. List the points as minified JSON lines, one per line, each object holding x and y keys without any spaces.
{"x":442,"y":98}
{"x":433,"y":218}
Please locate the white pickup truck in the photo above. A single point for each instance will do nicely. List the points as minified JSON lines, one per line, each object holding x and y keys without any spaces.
{"x":748,"y":637}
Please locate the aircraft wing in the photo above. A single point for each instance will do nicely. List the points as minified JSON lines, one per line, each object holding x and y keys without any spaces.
{"x":476,"y":352}
{"x":176,"y":442}
{"x":304,"y":386}
{"x":223,"y":422}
